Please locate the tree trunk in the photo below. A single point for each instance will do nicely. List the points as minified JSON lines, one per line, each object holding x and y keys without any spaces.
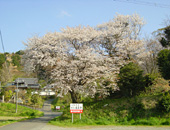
{"x":74,"y":96}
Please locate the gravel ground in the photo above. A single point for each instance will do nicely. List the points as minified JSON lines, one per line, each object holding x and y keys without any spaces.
{"x":49,"y":127}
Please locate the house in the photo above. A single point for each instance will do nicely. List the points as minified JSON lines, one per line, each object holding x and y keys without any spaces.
{"x":32,"y":83}
{"x":26,"y":83}
{"x":48,"y":90}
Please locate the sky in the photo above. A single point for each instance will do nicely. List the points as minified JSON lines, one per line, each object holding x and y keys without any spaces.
{"x":22,"y":19}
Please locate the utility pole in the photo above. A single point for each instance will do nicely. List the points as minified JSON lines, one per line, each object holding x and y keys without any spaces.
{"x":1,"y":92}
{"x":0,"y":87}
{"x":17,"y":96}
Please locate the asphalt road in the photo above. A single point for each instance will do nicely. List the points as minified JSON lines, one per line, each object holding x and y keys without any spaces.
{"x":36,"y":123}
{"x":41,"y":123}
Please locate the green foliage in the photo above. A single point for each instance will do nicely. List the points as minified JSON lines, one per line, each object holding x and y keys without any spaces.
{"x":2,"y":60}
{"x":124,"y":111}
{"x":164,"y":63}
{"x":150,"y":79}
{"x":8,"y":109}
{"x":16,"y":59}
{"x":164,"y":103}
{"x":20,"y":52}
{"x":165,"y":41}
{"x":28,"y":96}
{"x":37,"y":100}
{"x":159,"y":86}
{"x":62,"y":102}
{"x":43,"y":83}
{"x":7,"y":95}
{"x":135,"y":111}
{"x":131,"y":80}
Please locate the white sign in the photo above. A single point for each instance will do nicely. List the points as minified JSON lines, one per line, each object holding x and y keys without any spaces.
{"x":76,"y":108}
{"x":57,"y":107}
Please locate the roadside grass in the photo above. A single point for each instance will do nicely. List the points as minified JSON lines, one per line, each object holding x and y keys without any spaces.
{"x":5,"y":120}
{"x":141,"y":110}
{"x":8,"y":114}
{"x":2,"y":123}
{"x":62,"y":102}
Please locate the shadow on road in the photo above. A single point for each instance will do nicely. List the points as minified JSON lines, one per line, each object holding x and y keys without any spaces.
{"x":44,"y":119}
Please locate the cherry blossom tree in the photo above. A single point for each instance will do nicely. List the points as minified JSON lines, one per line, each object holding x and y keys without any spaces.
{"x":149,"y":60}
{"x":119,"y":37}
{"x":40,"y":52}
{"x":78,"y":74}
{"x":74,"y":62}
{"x":78,"y":57}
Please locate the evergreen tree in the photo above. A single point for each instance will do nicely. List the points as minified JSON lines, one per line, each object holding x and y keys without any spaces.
{"x":164,"y":63}
{"x":131,"y":80}
{"x":165,"y":41}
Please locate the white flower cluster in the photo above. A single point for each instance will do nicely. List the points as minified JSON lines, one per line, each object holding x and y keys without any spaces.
{"x":80,"y":56}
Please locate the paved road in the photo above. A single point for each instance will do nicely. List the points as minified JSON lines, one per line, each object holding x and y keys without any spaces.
{"x":34,"y":124}
{"x":41,"y":123}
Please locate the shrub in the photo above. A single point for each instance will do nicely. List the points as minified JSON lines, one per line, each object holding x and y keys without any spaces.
{"x":164,"y":63}
{"x":131,"y":80}
{"x":37,"y":100}
{"x":150,"y":79}
{"x":164,"y":103}
{"x":135,"y":110}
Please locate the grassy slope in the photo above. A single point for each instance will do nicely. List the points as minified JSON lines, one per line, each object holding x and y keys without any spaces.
{"x":140,"y":110}
{"x":135,"y":111}
{"x":8,"y":115}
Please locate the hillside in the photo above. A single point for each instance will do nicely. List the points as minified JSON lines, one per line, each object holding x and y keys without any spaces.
{"x":11,"y":68}
{"x":144,"y":109}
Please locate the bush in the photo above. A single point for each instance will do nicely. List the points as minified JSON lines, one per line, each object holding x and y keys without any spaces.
{"x":164,"y":63}
{"x":164,"y":103}
{"x":135,"y":110}
{"x":150,"y":79}
{"x":37,"y":100}
{"x":131,"y":80}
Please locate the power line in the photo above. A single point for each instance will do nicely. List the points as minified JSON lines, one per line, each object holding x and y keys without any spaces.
{"x":4,"y":53}
{"x":139,"y":2}
{"x":2,"y":42}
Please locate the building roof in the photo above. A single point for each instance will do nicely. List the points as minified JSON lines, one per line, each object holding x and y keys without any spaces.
{"x":27,"y":80}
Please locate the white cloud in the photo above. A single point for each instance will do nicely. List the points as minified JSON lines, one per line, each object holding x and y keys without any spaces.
{"x":64,"y":13}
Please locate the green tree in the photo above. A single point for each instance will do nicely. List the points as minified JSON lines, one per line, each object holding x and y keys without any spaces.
{"x":165,"y":41}
{"x":20,"y":52}
{"x":28,"y":95}
{"x":7,"y":95}
{"x":164,"y":103}
{"x":16,"y":59}
{"x":131,"y":80}
{"x":36,"y":100}
{"x":2,"y":60}
{"x":163,"y":60}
